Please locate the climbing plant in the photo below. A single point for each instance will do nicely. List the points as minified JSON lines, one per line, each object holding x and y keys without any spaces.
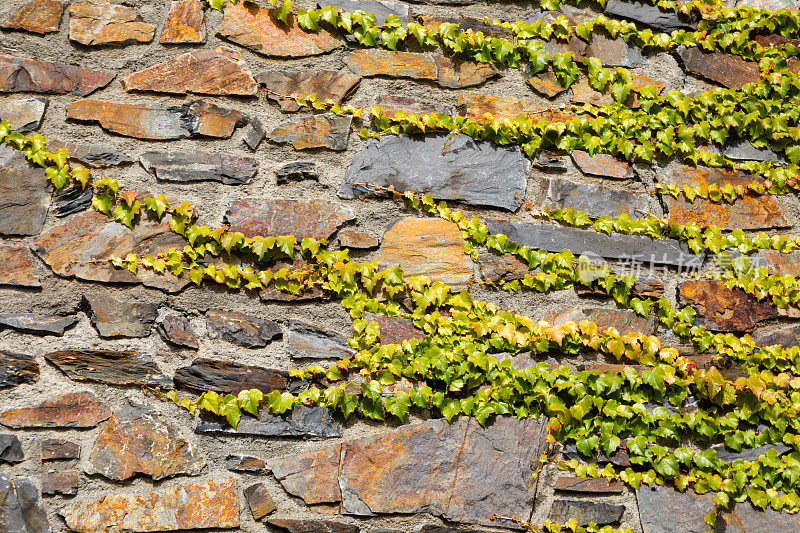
{"x":667,"y":413}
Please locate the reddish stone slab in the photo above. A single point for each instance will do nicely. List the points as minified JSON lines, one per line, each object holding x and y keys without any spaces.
{"x":446,"y":72}
{"x":260,"y":502}
{"x":724,"y":310}
{"x":37,"y":16}
{"x":220,"y":71}
{"x":545,"y":83}
{"x":394,"y":330}
{"x":302,"y":218}
{"x":494,"y":267}
{"x":177,"y":330}
{"x":213,"y":504}
{"x":186,"y":23}
{"x":312,"y":476}
{"x":109,"y":366}
{"x":391,"y":104}
{"x":602,"y":165}
{"x":73,"y":410}
{"x":101,"y":22}
{"x":477,"y":105}
{"x":63,"y":483}
{"x":360,"y":240}
{"x":254,"y":27}
{"x":326,"y":84}
{"x":60,"y":450}
{"x":584,"y":484}
{"x":17,"y":369}
{"x":228,"y":377}
{"x":622,"y":320}
{"x":32,"y":75}
{"x":16,"y":267}
{"x":315,"y":131}
{"x":726,"y":69}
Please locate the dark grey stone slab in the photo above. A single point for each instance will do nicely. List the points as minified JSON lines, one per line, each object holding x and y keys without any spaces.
{"x":649,"y":15}
{"x":184,"y":167}
{"x":749,"y":454}
{"x":616,"y":247}
{"x":24,"y":194}
{"x":240,"y":329}
{"x":245,"y":463}
{"x":297,"y":171}
{"x":452,"y":167}
{"x":20,"y":509}
{"x":113,"y":318}
{"x":594,"y":200}
{"x":585,"y":511}
{"x":227,"y":377}
{"x":301,"y":422}
{"x":306,"y":341}
{"x":36,"y":324}
{"x":254,"y":133}
{"x":786,"y":337}
{"x":11,"y":449}
{"x":69,"y":201}
{"x":16,"y":369}
{"x":109,"y":366}
{"x":743,"y":150}
{"x":92,"y":155}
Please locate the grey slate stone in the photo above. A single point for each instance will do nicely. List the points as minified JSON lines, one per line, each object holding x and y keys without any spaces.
{"x":113,"y":318}
{"x":306,"y":341}
{"x":16,"y":369}
{"x":24,"y":114}
{"x":749,"y":454}
{"x":743,"y":150}
{"x":786,"y":337}
{"x":245,"y":463}
{"x":24,"y":194}
{"x":186,"y":167}
{"x":616,"y":247}
{"x":594,"y":200}
{"x":452,"y":167}
{"x":647,"y":14}
{"x":254,"y":133}
{"x":550,"y":161}
{"x":297,"y":171}
{"x":11,"y":449}
{"x":241,"y":329}
{"x":301,"y":422}
{"x":585,"y":511}
{"x":36,"y":324}
{"x":92,"y":155}
{"x":71,"y":200}
{"x":380,"y":8}
{"x":20,"y":510}
{"x":110,"y":366}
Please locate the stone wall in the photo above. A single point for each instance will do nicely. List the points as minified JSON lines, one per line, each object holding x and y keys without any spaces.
{"x":167,"y":97}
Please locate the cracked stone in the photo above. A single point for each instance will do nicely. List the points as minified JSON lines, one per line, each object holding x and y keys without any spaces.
{"x":623,"y":320}
{"x":185,"y":23}
{"x":439,"y":165}
{"x":585,"y":512}
{"x":17,"y":369}
{"x":326,"y":84}
{"x":159,"y":123}
{"x":37,"y":324}
{"x":32,"y":75}
{"x":71,"y":200}
{"x":313,"y":218}
{"x":11,"y":449}
{"x":109,"y":366}
{"x":100,"y":22}
{"x":312,"y":476}
{"x":74,"y":410}
{"x":135,"y":440}
{"x":302,"y":421}
{"x":60,"y":450}
{"x":588,"y":485}
{"x":315,"y":131}
{"x":245,"y":463}
{"x":220,"y":71}
{"x":24,"y":194}
{"x":254,"y":27}
{"x":20,"y":509}
{"x":313,"y":526}
{"x":259,"y":500}
{"x":726,"y":69}
{"x":92,"y":155}
{"x":594,"y":200}
{"x":297,"y":171}
{"x":359,"y":240}
{"x":17,"y":268}
{"x":253,"y":134}
{"x":241,"y":329}
{"x":722,"y":309}
{"x":614,"y":52}
{"x":186,"y":167}
{"x":602,"y":165}
{"x":391,"y":104}
{"x":63,"y":483}
{"x":394,"y":330}
{"x":426,"y":247}
{"x":113,"y":318}
{"x":213,"y":504}
{"x":307,"y":341}
{"x":506,"y":267}
{"x":649,"y":15}
{"x":228,"y":377}
{"x":24,"y":114}
{"x":177,"y":330}
{"x":37,"y":16}
{"x":433,"y":67}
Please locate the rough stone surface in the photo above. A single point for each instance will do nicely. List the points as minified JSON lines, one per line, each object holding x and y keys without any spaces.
{"x":380,"y":8}
{"x":213,"y":504}
{"x":245,"y":463}
{"x":749,"y":454}
{"x":588,"y":485}
{"x":721,"y":309}
{"x":71,"y":200}
{"x":16,"y":267}
{"x":749,"y":212}
{"x":109,"y":366}
{"x":585,"y":512}
{"x":306,"y":341}
{"x":73,"y":410}
{"x":101,"y":22}
{"x":23,"y":194}
{"x":159,"y":123}
{"x":315,"y":131}
{"x":37,"y":324}
{"x":743,"y":150}
{"x":113,"y":318}
{"x":20,"y":509}
{"x":448,"y":167}
{"x":647,"y":14}
{"x":349,"y":238}
{"x":478,"y":104}
{"x":135,"y":440}
{"x":227,"y":377}
{"x":259,"y":500}
{"x":63,"y":483}
{"x":92,"y":155}
{"x":221,"y":71}
{"x":37,"y":16}
{"x":17,"y":369}
{"x":494,"y":267}
{"x":442,"y":70}
{"x":24,"y":114}
{"x":312,"y":526}
{"x":185,"y":167}
{"x":426,"y":247}
{"x":11,"y":449}
{"x":726,"y":69}
{"x":302,"y":218}
{"x":544,"y":83}
{"x":468,"y":23}
{"x":253,"y":134}
{"x":68,"y":249}
{"x":60,"y":450}
{"x":593,"y":244}
{"x":594,"y":200}
{"x":32,"y":75}
{"x":623,"y":320}
{"x":177,"y":330}
{"x":297,"y":171}
{"x":394,"y":330}
{"x":583,"y":93}
{"x":786,"y":337}
{"x":185,"y":23}
{"x":254,"y":27}
{"x":301,"y":422}
{"x":614,"y":52}
{"x":326,"y":84}
{"x":602,"y":165}
{"x":312,"y":476}
{"x":241,"y":329}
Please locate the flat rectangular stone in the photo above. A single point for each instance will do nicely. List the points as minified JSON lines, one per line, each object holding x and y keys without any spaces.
{"x":102,"y":22}
{"x":380,"y":8}
{"x":302,"y":421}
{"x":647,"y":14}
{"x":594,"y":200}
{"x":73,"y":410}
{"x":477,"y":105}
{"x":602,"y":165}
{"x":590,"y":485}
{"x":466,"y":24}
{"x":60,"y":450}
{"x":108,"y":366}
{"x":23,"y":114}
{"x":726,"y":69}
{"x":283,"y":86}
{"x":316,"y":131}
{"x":391,"y":104}
{"x":32,"y":75}
{"x":37,"y":324}
{"x":185,"y":167}
{"x":623,"y":320}
{"x":63,"y":483}
{"x":37,"y":16}
{"x":228,"y":377}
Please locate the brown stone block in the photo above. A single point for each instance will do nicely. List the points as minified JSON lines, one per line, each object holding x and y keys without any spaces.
{"x":583,"y":93}
{"x":302,"y":218}
{"x":254,"y":27}
{"x":313,"y":476}
{"x":545,"y":83}
{"x":73,"y":410}
{"x":24,"y":114}
{"x":476,"y":105}
{"x":394,"y":330}
{"x":466,"y":24}
{"x":325,"y":84}
{"x":228,"y":377}
{"x":315,"y":131}
{"x":16,"y":268}
{"x":37,"y":16}
{"x":723,"y":309}
{"x":63,"y":483}
{"x":359,"y":240}
{"x":60,"y":450}
{"x":101,"y":22}
{"x":602,"y":165}
{"x":726,"y":69}
{"x":109,"y":366}
{"x":260,"y":502}
{"x":32,"y":75}
{"x":623,"y":320}
{"x":186,"y":23}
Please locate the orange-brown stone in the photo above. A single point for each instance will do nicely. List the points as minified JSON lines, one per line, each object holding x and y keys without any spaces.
{"x":427,"y":247}
{"x":220,"y":71}
{"x":477,"y":105}
{"x":583,"y":93}
{"x":37,"y":16}
{"x":749,"y":212}
{"x":186,"y":23}
{"x":315,"y":131}
{"x":623,"y":320}
{"x":102,"y":22}
{"x":444,"y":71}
{"x":349,"y":238}
{"x":545,"y":83}
{"x":602,"y":165}
{"x":254,"y":27}
{"x":391,"y":104}
{"x":325,"y":84}
{"x":726,"y":69}
{"x":394,"y":330}
{"x":315,"y":218}
{"x":312,"y":476}
{"x":16,"y":267}
{"x":32,"y":75}
{"x":584,"y":485}
{"x":213,"y":504}
{"x":722,"y":309}
{"x":73,"y":410}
